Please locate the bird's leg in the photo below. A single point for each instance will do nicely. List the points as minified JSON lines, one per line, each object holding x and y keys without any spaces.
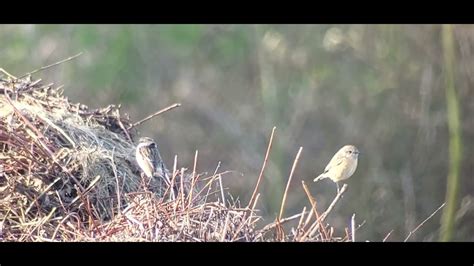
{"x":338,"y":189}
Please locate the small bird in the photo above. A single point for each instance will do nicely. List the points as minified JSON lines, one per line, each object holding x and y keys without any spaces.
{"x":342,"y":165}
{"x":149,"y":159}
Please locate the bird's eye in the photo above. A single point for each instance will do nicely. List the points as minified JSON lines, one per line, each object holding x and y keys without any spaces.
{"x":350,"y":151}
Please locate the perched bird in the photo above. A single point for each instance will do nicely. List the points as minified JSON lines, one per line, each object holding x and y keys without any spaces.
{"x":342,"y":165}
{"x":149,"y":159}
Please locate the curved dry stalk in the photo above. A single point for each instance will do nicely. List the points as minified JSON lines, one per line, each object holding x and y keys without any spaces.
{"x":259,"y":179}
{"x":313,"y":210}
{"x":295,"y":162}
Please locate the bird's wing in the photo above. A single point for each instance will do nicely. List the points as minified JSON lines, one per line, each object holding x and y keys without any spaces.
{"x":155,"y":157}
{"x":144,"y":160}
{"x":335,"y":161}
{"x":159,"y":165}
{"x":145,"y":151}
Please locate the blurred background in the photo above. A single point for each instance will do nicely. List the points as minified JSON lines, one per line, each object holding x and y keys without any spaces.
{"x":380,"y":87}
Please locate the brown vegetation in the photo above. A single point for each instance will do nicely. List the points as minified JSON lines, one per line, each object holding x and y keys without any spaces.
{"x":68,"y":174}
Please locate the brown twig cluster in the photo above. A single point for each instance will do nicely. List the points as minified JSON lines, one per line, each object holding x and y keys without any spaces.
{"x":68,"y":173}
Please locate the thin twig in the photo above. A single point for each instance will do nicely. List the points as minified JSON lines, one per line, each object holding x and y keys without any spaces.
{"x":195,"y":163}
{"x":211,"y":181}
{"x":117,"y":183}
{"x":386,"y":237}
{"x":253,"y":206}
{"x":325,"y":214}
{"x":300,"y":223}
{"x":226,"y":224}
{"x":309,"y":217}
{"x":221,"y":189}
{"x":280,"y":222}
{"x":418,"y":227}
{"x":119,"y":121}
{"x":8,"y":74}
{"x":173,"y":180}
{"x":242,"y":224}
{"x":295,"y":162}
{"x":353,"y":227}
{"x":181,"y":187}
{"x":86,"y":190}
{"x":262,"y":169}
{"x":41,"y":194}
{"x":333,"y":203}
{"x":193,"y":179}
{"x":208,"y":186}
{"x":41,"y":222}
{"x":154,"y":114}
{"x":53,"y":64}
{"x":313,"y":209}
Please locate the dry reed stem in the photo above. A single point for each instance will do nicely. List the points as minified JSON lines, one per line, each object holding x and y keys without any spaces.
{"x":314,"y":210}
{"x":295,"y":162}
{"x":259,"y":179}
{"x":387,"y":236}
{"x":353,"y":227}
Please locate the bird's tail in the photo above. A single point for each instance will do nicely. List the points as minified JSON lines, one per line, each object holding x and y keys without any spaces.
{"x":321,"y":176}
{"x":164,"y":174}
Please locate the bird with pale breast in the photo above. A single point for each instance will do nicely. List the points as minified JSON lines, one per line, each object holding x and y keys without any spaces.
{"x":342,"y":165}
{"x":149,"y":160}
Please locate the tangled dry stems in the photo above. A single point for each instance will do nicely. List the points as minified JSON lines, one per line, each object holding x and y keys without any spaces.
{"x":67,"y":173}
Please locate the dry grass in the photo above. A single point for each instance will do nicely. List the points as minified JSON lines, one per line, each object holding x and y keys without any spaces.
{"x":67,"y":173}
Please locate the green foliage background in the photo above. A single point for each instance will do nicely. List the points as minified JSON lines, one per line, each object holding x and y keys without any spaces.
{"x":380,"y":87}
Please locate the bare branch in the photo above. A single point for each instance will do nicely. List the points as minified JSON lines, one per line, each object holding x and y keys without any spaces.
{"x":154,"y":114}
{"x":421,"y":224}
{"x":53,"y":64}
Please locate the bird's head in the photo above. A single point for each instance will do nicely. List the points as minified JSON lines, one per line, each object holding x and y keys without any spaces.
{"x":146,"y":140}
{"x":350,"y":151}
